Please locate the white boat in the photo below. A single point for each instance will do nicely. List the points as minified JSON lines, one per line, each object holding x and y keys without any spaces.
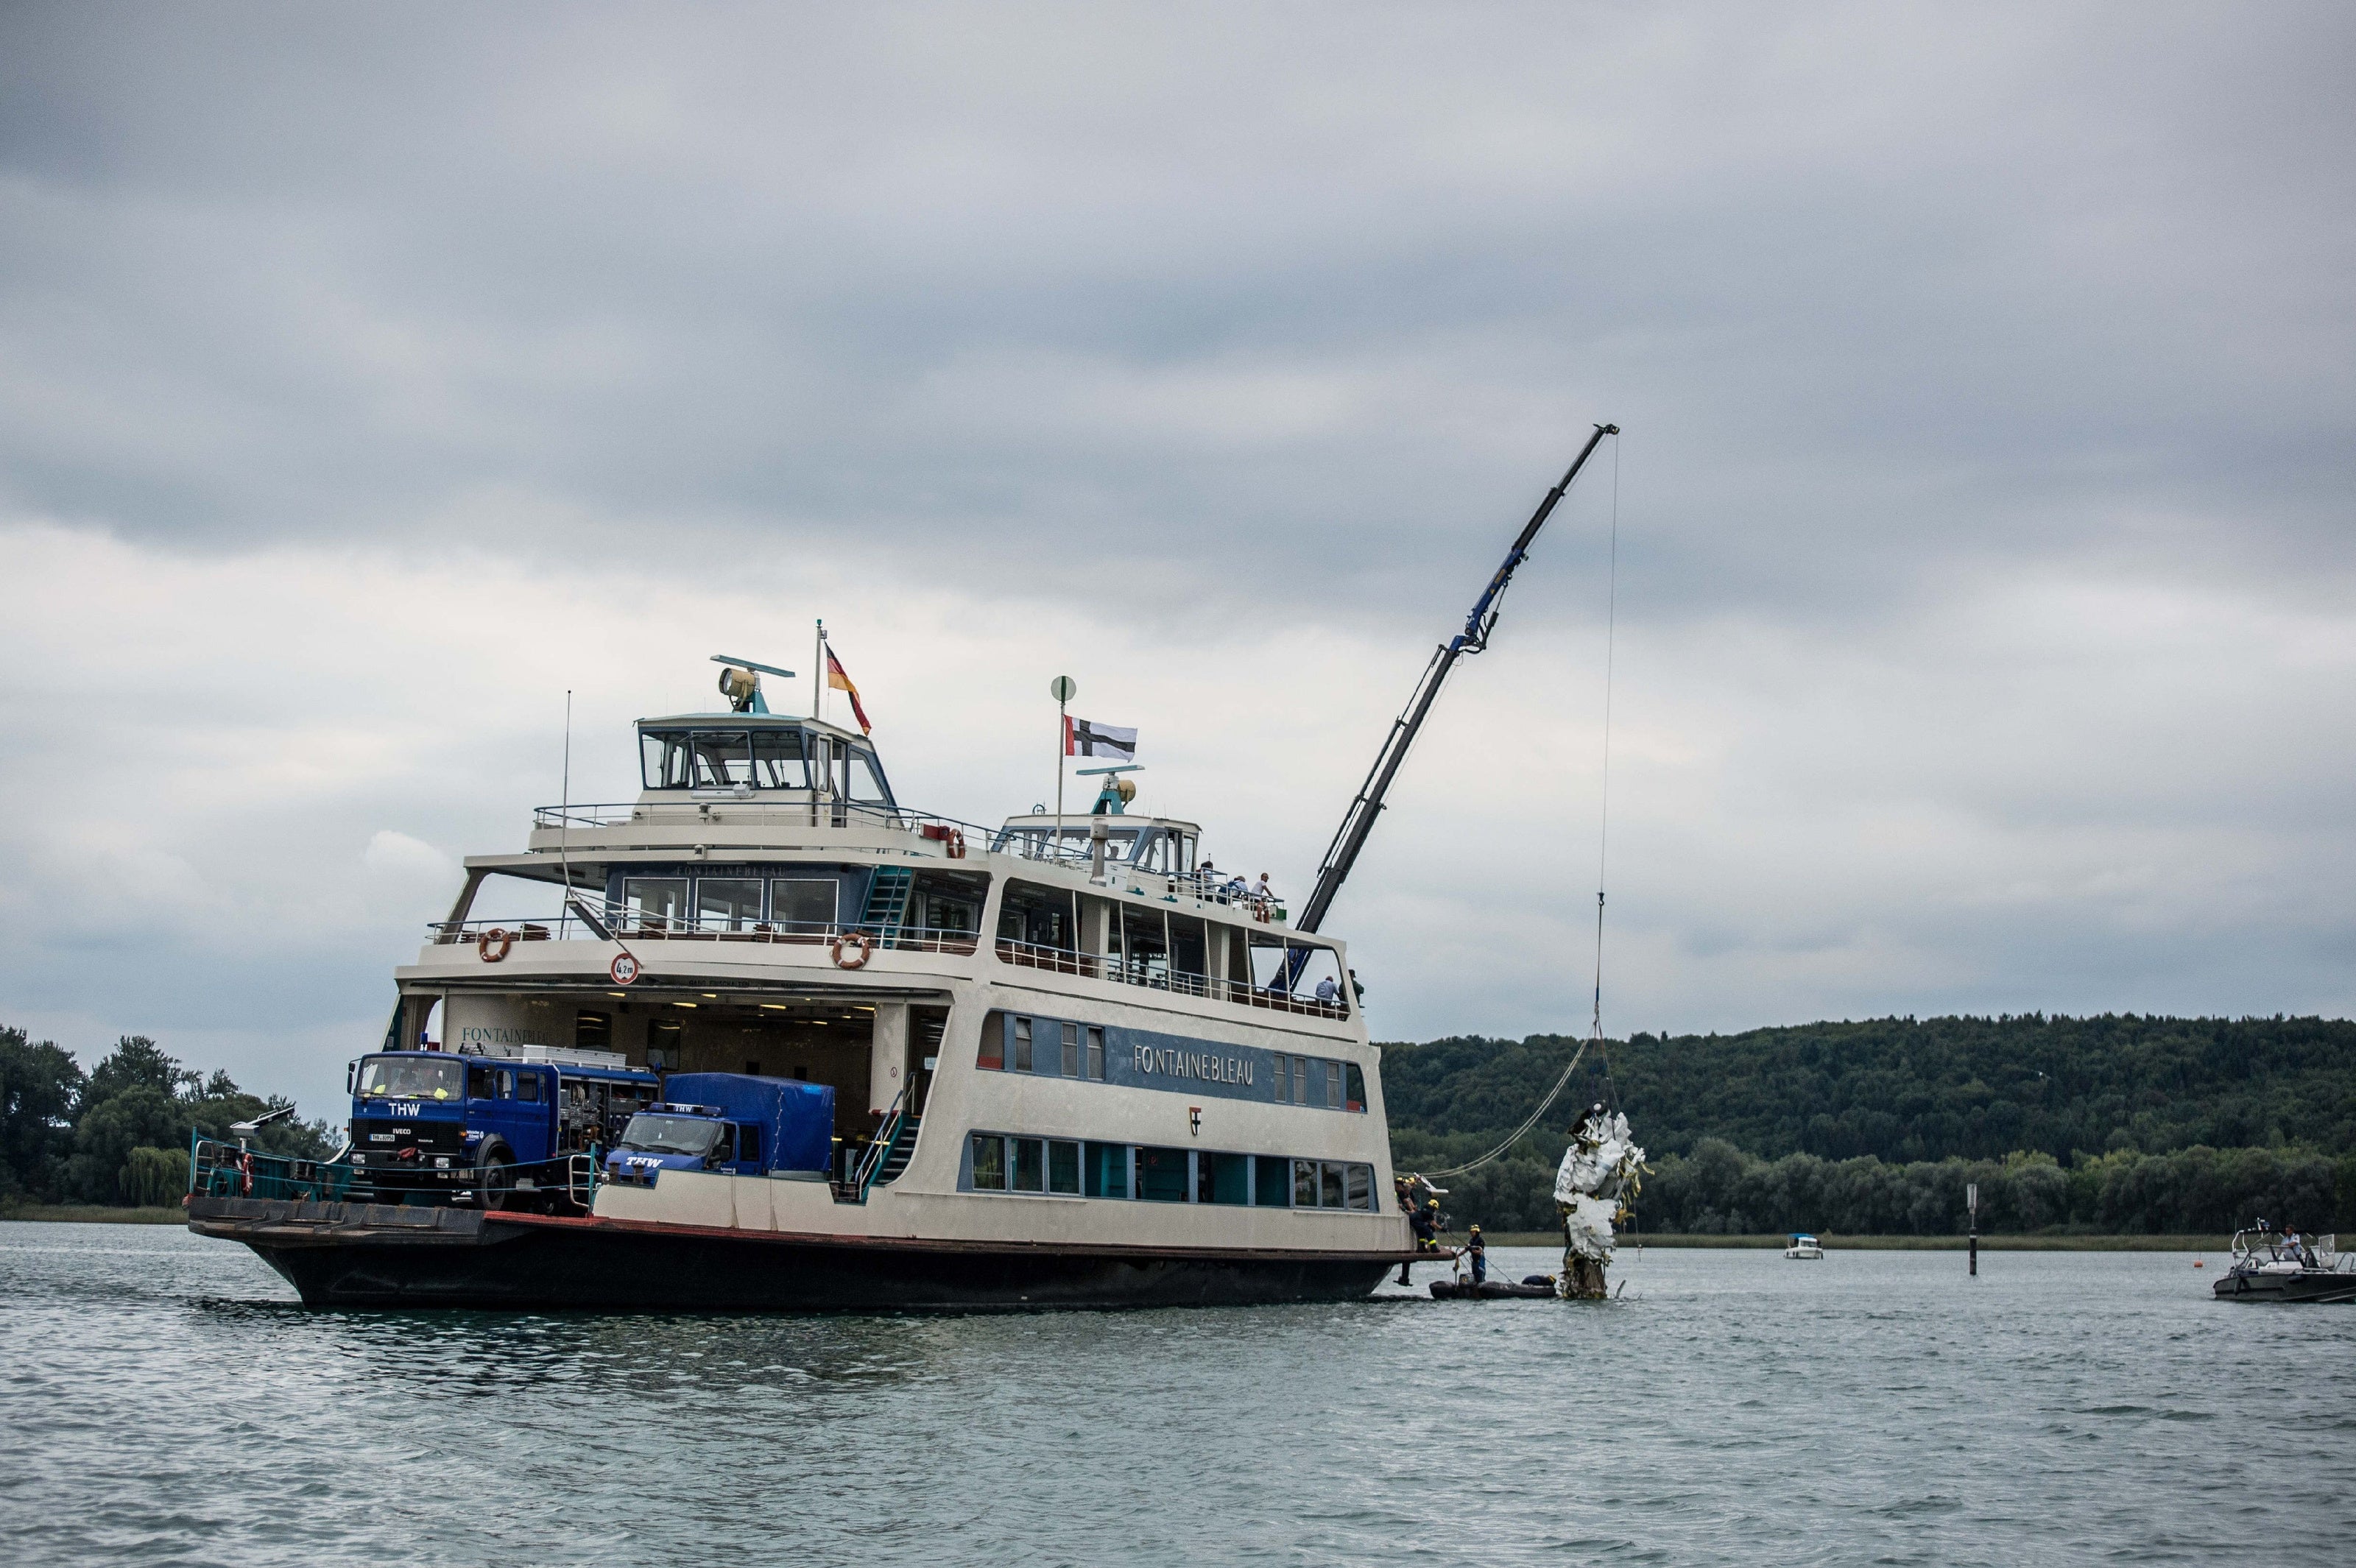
{"x":1069,"y":1066}
{"x":1805,"y":1247}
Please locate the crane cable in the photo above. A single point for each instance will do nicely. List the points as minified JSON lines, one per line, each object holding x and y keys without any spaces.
{"x":1595,"y":1037}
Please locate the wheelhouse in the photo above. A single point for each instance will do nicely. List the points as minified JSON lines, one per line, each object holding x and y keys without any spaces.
{"x":708,"y":755}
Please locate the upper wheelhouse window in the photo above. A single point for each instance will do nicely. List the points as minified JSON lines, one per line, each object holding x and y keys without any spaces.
{"x":696,"y":759}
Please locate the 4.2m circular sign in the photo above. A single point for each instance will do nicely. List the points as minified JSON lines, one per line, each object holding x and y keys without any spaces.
{"x":623,"y":969}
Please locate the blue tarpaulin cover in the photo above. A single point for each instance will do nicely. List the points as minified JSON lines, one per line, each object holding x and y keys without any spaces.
{"x":796,"y":1119}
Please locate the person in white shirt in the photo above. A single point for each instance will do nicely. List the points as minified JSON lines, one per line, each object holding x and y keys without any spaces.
{"x":1263,"y":892}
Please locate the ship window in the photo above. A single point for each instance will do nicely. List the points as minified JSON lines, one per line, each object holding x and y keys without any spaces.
{"x":1145,"y":946}
{"x":1301,"y":1081}
{"x":1333,"y":1184}
{"x":1030,"y":1165}
{"x":777,"y":759}
{"x":1311,"y":965}
{"x":802,"y":904}
{"x":1071,"y":1051}
{"x":992,"y":1056}
{"x":989,"y":1162}
{"x":1040,"y":916}
{"x":1096,"y":1054}
{"x":1272,"y":1180}
{"x":1161,"y":1175}
{"x":1188,"y":945}
{"x":1353,"y":1091}
{"x":1332,"y":1071}
{"x":867,"y":778}
{"x":1154,"y":856}
{"x":656,"y":902}
{"x":662,"y":756}
{"x":1226,"y":1178}
{"x":1064,"y":1168}
{"x":1021,"y":1045}
{"x":1360,"y":1180}
{"x":1304,"y":1184}
{"x":1185,"y":854}
{"x":695,"y":759}
{"x":1106,"y":1170}
{"x":730,"y":904}
{"x":593,"y":1031}
{"x":1267,"y":963}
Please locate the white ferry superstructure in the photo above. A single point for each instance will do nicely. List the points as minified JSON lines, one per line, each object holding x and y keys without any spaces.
{"x":1069,"y":1067}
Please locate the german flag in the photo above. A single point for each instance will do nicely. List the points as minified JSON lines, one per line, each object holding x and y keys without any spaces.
{"x":842,"y":682}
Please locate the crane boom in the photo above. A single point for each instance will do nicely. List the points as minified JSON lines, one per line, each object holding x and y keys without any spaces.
{"x":1359,"y":820}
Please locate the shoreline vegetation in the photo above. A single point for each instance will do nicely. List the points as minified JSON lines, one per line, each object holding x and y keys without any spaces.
{"x":93,"y":1214}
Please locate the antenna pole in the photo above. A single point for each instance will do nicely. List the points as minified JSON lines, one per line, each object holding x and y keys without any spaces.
{"x":818,"y":672}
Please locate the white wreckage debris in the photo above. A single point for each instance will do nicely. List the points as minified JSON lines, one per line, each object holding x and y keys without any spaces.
{"x":1601,"y":1170}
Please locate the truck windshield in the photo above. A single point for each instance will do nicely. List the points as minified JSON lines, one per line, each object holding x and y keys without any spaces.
{"x":412,"y":1078}
{"x":668,"y":1135}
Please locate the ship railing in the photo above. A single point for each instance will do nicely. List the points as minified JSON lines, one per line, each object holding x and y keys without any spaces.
{"x":872,"y":1159}
{"x":637,"y":925}
{"x":1158,"y":977}
{"x":1210,"y":887}
{"x":764,"y":810}
{"x":564,"y":1184}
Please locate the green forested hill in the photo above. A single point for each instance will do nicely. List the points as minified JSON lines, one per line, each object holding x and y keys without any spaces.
{"x":1907,"y":1089}
{"x":2109,"y":1123}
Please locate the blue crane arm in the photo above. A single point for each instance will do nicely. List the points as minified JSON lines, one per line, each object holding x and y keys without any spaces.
{"x":1359,"y":820}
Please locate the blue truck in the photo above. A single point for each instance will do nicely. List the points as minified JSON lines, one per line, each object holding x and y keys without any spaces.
{"x":730,"y":1121}
{"x":446,"y":1127}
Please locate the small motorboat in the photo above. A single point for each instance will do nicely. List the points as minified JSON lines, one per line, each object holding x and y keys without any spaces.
{"x":1534,"y":1287}
{"x":1805,"y":1247}
{"x":2282,"y":1265}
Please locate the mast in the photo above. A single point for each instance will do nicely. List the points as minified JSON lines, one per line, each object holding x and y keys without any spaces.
{"x":1359,"y":820}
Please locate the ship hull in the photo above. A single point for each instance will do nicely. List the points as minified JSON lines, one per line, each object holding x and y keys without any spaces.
{"x":2314,"y":1284}
{"x":368,"y":1256}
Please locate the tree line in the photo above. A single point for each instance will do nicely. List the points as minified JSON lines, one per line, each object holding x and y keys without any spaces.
{"x":2116,"y":1124}
{"x":119,"y":1134}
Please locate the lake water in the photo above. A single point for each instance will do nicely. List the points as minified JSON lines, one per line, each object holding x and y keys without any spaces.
{"x":166,"y":1401}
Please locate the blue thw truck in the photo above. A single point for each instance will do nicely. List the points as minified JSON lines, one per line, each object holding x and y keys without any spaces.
{"x":729,"y":1121}
{"x":487,"y":1129}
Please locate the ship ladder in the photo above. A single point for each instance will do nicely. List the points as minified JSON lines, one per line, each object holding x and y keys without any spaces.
{"x":887,"y":903}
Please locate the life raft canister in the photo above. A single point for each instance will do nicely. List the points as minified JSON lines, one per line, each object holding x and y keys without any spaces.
{"x":494,"y":944}
{"x":852,"y":948}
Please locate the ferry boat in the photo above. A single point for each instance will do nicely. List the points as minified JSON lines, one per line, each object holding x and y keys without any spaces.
{"x":1070,"y":1066}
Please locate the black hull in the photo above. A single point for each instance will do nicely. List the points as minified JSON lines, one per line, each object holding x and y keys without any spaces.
{"x":1490,"y":1290}
{"x":338,"y":1255}
{"x":2317,"y":1285}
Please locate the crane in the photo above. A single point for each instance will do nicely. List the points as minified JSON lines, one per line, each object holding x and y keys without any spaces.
{"x":1359,"y":820}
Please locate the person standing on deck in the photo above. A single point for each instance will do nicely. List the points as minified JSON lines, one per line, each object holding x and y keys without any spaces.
{"x":1477,"y":1250}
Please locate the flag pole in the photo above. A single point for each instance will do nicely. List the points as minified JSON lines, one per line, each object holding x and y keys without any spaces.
{"x":1062,"y":688}
{"x":818,"y":671}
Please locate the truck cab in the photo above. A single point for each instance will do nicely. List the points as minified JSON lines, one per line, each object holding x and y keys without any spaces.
{"x":449,"y":1125}
{"x":732,"y":1123}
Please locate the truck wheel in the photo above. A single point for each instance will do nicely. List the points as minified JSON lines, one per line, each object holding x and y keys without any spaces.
{"x":498,"y":1183}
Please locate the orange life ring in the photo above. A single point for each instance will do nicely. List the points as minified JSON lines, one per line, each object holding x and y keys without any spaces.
{"x":956,"y":843}
{"x":859,"y":940}
{"x":495,"y":943}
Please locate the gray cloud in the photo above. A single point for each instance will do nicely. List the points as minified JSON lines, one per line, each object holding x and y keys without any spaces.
{"x":1985,"y":552}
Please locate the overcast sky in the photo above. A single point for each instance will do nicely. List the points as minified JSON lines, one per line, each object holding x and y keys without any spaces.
{"x":371,"y":376}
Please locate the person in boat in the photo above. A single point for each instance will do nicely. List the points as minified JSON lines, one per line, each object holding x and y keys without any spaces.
{"x":1477,"y":1252}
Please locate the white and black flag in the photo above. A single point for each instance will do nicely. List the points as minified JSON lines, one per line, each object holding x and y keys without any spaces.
{"x":1082,"y":739}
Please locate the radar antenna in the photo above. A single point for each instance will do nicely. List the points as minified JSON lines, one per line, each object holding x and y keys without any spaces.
{"x":1359,"y":821}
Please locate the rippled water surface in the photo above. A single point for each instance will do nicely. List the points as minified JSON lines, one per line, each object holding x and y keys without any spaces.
{"x":165,"y":1399}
